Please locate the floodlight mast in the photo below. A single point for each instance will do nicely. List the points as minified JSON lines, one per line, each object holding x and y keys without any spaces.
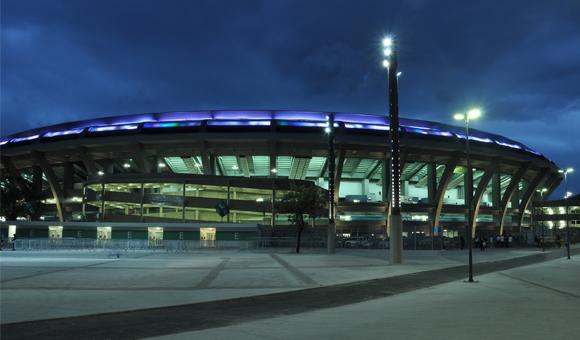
{"x":395,"y":223}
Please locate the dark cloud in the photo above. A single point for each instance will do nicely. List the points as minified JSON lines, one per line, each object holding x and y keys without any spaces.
{"x":520,"y":60}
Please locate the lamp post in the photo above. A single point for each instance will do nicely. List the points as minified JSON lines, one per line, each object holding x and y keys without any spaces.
{"x":542,"y":191}
{"x":395,"y":222}
{"x":471,"y":114}
{"x":566,"y":172}
{"x":331,"y":234}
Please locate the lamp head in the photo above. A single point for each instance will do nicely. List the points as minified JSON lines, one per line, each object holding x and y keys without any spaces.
{"x":474,"y":113}
{"x":459,"y":116}
{"x":388,"y":42}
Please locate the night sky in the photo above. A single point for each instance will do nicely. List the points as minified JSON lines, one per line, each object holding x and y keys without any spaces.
{"x":518,"y":60}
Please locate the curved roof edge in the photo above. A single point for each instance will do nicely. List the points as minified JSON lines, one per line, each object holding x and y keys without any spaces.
{"x":258,"y":117}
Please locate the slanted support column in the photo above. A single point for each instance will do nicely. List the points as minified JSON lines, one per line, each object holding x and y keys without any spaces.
{"x":507,"y":196}
{"x":88,"y":162}
{"x":477,"y":197}
{"x":52,"y":182}
{"x":447,"y":174}
{"x":540,"y":178}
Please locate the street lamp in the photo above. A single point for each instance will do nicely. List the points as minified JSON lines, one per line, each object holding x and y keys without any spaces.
{"x":331,"y":234}
{"x":566,"y":172}
{"x":542,"y":191}
{"x":466,"y":117}
{"x":395,"y":222}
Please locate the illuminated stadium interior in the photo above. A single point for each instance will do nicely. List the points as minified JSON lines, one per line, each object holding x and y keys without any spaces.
{"x":176,"y":167}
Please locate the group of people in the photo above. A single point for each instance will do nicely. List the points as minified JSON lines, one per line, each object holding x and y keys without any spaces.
{"x":499,"y":241}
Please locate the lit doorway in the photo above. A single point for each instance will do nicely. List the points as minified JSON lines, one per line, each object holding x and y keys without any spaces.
{"x":207,"y":237}
{"x":11,"y":232}
{"x":54,"y":233}
{"x":104,"y":233}
{"x":155,"y":236}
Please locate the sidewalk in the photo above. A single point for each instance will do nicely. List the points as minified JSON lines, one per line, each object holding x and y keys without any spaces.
{"x":53,"y":284}
{"x":540,"y":301}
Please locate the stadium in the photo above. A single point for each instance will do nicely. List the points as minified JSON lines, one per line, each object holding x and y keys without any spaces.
{"x":219,"y":175}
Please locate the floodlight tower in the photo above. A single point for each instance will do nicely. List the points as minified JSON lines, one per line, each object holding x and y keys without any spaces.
{"x":395,"y":222}
{"x":566,"y":195}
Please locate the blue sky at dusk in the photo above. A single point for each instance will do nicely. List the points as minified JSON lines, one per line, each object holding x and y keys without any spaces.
{"x":518,"y":60}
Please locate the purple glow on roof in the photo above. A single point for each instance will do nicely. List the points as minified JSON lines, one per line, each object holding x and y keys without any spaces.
{"x":239,"y":123}
{"x":24,"y":139}
{"x":242,"y":115}
{"x":440,"y":133}
{"x":479,"y":139}
{"x":532,"y":151}
{"x":257,"y":118}
{"x":180,"y":116}
{"x":113,"y":128}
{"x":51,"y":134}
{"x":367,"y":126}
{"x":134,"y":119}
{"x":417,"y":127}
{"x":513,"y":146}
{"x":300,"y":115}
{"x":303,"y":124}
{"x":359,"y":118}
{"x":160,"y":125}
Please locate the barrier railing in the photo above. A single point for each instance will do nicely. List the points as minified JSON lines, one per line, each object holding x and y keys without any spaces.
{"x":130,"y":244}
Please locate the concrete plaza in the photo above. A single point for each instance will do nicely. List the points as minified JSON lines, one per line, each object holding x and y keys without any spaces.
{"x":540,"y":301}
{"x":64,"y":284}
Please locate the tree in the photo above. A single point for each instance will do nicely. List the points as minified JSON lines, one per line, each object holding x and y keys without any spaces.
{"x":18,"y":198}
{"x":303,"y":202}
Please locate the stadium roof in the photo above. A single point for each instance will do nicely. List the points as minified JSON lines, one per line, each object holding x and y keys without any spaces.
{"x":168,"y":120}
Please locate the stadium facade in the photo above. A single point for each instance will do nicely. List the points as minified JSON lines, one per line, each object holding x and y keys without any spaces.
{"x":174,"y":171}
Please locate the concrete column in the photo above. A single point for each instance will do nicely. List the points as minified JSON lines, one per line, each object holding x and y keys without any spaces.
{"x":183,"y":205}
{"x":68,"y":178}
{"x":432,"y":192}
{"x":228,"y":202}
{"x":273,"y":206}
{"x":431,"y":182}
{"x":37,"y":180}
{"x":515,"y":199}
{"x":496,"y":188}
{"x":142,"y":197}
{"x":365,"y":187}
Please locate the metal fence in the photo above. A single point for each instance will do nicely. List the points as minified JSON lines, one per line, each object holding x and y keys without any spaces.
{"x":130,"y":245}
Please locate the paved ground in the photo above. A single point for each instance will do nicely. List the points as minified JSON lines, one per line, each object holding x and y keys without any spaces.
{"x":47,"y":285}
{"x":51,"y":284}
{"x":540,"y":301}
